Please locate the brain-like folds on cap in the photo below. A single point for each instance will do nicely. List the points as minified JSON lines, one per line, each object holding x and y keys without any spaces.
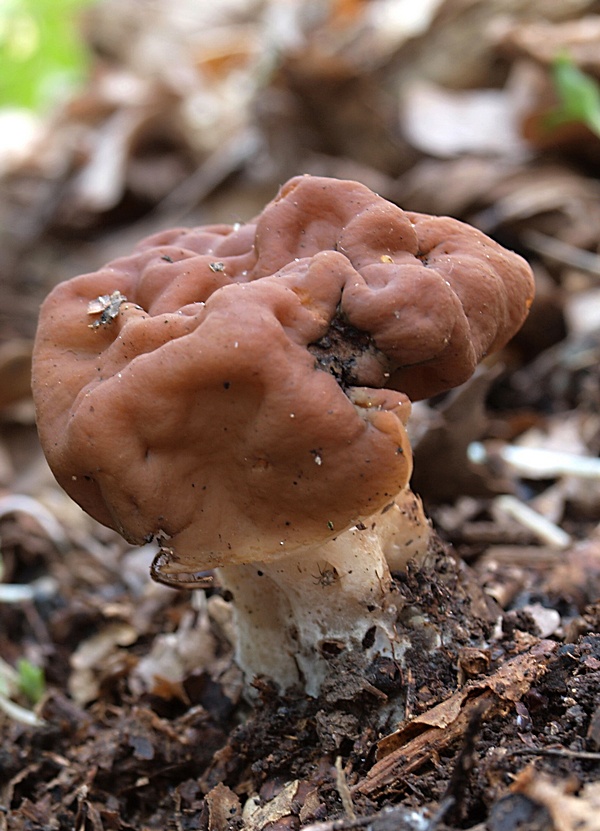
{"x":249,"y":395}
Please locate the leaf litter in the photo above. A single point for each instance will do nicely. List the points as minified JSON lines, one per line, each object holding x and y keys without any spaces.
{"x":195,"y":114}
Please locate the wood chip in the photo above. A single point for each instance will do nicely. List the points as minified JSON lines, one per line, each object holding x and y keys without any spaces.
{"x":417,"y":741}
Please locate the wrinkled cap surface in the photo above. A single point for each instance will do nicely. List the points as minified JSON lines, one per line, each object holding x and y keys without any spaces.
{"x":243,"y":390}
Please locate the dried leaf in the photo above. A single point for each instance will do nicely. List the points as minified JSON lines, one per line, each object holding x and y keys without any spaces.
{"x":446,"y":123}
{"x":544,"y":40}
{"x":568,"y":812}
{"x":15,"y":371}
{"x":276,"y":809}
{"x":460,"y":420}
{"x":223,"y":807}
{"x":416,"y":741}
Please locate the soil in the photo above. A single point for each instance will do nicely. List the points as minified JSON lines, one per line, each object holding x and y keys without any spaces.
{"x":121,"y":707}
{"x":477,"y":713}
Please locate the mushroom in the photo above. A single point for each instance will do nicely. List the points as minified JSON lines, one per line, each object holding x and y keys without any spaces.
{"x":241,"y":393}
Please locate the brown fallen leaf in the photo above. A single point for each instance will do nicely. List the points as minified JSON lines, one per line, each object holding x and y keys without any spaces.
{"x":460,"y":47}
{"x":417,"y":741}
{"x":15,"y":371}
{"x":223,"y":806}
{"x":275,"y":810}
{"x":88,"y":815}
{"x":543,"y":40}
{"x":460,"y":420}
{"x":568,"y":812}
{"x":449,"y":123}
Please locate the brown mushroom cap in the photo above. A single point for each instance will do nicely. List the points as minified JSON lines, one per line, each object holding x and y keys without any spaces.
{"x":248,"y":391}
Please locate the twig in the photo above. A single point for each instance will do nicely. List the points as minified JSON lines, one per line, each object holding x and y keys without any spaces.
{"x":18,"y":713}
{"x":538,"y":462}
{"x":212,"y":172}
{"x":563,"y":253}
{"x":343,"y":789}
{"x":390,"y":818}
{"x":41,"y":588}
{"x":545,"y":530}
{"x":416,"y":742}
{"x":561,"y":752}
{"x":339,"y":824}
{"x":463,"y":767}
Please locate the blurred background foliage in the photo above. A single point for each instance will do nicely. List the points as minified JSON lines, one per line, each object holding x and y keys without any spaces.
{"x":41,"y":51}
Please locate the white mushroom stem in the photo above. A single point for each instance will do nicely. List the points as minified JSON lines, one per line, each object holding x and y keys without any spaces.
{"x":295,"y":614}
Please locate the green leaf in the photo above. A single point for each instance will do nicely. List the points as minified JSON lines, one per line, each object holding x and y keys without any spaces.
{"x":41,"y":52}
{"x":578,"y":95}
{"x":31,"y":680}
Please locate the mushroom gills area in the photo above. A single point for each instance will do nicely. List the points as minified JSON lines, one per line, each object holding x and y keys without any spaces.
{"x":295,"y":615}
